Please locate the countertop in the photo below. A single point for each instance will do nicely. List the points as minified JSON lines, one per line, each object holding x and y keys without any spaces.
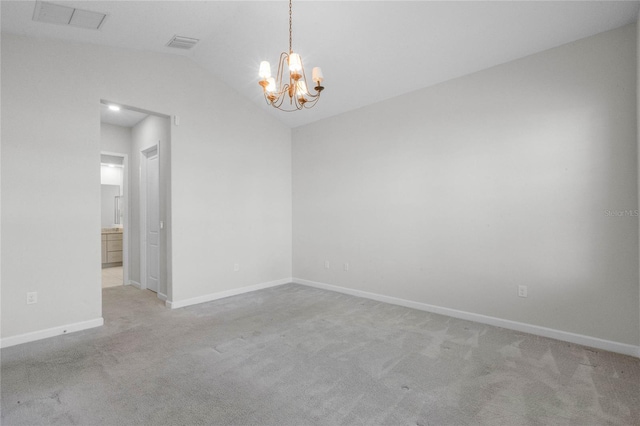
{"x":112,"y":230}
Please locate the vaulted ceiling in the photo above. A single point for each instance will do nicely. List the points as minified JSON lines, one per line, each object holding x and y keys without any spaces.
{"x":368,"y":50}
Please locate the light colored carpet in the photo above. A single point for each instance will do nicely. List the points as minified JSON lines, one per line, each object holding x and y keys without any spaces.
{"x":294,"y":355}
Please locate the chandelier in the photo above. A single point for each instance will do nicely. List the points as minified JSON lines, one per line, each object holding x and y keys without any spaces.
{"x":291,"y":87}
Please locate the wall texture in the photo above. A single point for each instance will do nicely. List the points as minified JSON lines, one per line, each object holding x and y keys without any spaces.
{"x":522,"y":174}
{"x":638,"y":132}
{"x":111,"y":176}
{"x":115,"y":138}
{"x":230,"y":178}
{"x":452,"y":195}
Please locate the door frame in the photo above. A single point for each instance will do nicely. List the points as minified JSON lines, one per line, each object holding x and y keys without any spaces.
{"x":164,"y":174}
{"x":126,"y":222}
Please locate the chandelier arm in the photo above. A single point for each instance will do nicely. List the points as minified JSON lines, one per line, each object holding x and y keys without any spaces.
{"x":280,"y":78}
{"x":310,"y":104}
{"x":278,"y":102}
{"x":296,"y":105}
{"x":284,"y":57}
{"x":278,"y":93}
{"x":304,"y":76}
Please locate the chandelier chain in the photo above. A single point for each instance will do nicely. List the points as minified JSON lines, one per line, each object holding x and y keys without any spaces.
{"x":290,"y":31}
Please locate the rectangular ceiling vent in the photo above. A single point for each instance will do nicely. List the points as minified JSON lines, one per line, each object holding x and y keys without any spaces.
{"x":180,"y":42}
{"x":52,"y":13}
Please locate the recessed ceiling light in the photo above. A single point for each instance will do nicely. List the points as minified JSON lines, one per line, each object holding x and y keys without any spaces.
{"x":114,"y":107}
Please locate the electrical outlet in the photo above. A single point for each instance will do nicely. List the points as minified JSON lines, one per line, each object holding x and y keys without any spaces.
{"x":326,"y":264}
{"x":32,"y":297}
{"x":236,"y":267}
{"x":346,"y":266}
{"x":522,"y":291}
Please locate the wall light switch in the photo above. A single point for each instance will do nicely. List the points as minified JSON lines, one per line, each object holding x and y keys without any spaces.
{"x":326,"y":264}
{"x":236,"y":267}
{"x":346,"y":266}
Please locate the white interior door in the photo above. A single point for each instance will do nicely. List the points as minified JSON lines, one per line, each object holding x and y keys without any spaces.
{"x":151,"y":182}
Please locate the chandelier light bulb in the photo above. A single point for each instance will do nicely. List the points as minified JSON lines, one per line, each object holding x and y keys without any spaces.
{"x":265,"y":70}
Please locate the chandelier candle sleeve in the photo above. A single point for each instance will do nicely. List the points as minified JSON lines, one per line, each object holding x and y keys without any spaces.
{"x":265,"y":70}
{"x":317,"y":75}
{"x":290,"y":81}
{"x":302,"y":88}
{"x":295,"y":65}
{"x":271,"y":86}
{"x":301,"y":91}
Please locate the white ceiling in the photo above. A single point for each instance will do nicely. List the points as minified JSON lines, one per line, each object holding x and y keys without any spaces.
{"x":123,"y":118}
{"x":368,"y":50}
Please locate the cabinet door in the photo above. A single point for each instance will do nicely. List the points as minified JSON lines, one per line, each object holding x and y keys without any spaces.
{"x":104,"y":252}
{"x":114,"y":256}
{"x":114,"y":246}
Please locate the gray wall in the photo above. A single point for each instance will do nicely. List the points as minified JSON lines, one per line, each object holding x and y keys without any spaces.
{"x":230,"y":178}
{"x":455,"y":194}
{"x":638,"y":125}
{"x":115,"y":139}
{"x":452,"y":195}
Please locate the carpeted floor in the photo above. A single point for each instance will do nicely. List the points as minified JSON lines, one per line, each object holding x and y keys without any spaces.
{"x":293,"y":355}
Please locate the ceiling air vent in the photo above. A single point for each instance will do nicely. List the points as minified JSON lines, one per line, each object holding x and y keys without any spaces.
{"x":52,"y":13}
{"x":180,"y":42}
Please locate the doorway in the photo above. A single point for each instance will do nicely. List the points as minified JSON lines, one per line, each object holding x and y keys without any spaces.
{"x":145,"y":138}
{"x":114,"y":179}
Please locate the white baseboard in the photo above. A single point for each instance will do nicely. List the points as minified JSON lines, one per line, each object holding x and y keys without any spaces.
{"x":594,"y":342}
{"x":50,"y":332}
{"x":136,"y":284}
{"x":162,"y":297}
{"x":175,"y":304}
